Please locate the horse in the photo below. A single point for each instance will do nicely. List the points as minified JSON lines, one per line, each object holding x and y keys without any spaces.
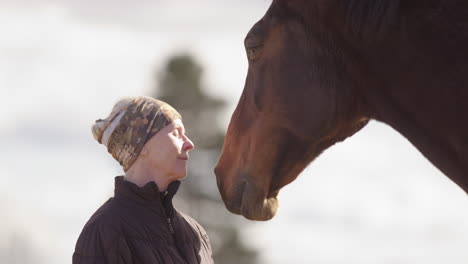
{"x":319,"y":70}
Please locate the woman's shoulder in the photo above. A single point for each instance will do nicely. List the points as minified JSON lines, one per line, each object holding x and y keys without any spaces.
{"x":200,"y":234}
{"x":195,"y":226}
{"x":100,"y":233}
{"x":190,"y":220}
{"x":105,"y":221}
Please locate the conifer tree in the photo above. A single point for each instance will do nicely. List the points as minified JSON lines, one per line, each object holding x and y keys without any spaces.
{"x":180,"y":85}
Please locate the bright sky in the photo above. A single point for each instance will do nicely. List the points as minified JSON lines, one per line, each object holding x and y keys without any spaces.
{"x":372,"y":199}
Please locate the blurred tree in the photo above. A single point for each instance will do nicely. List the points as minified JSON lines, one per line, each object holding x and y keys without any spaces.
{"x":180,"y":85}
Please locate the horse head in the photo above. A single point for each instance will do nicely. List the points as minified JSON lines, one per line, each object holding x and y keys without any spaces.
{"x":298,"y":100}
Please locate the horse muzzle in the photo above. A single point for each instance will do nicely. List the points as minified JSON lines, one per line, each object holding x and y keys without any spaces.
{"x":258,"y":206}
{"x":244,"y":198}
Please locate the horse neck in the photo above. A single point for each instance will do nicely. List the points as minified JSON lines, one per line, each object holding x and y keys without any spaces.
{"x":418,"y":85}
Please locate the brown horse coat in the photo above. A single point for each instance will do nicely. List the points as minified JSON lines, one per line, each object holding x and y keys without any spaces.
{"x":320,"y":69}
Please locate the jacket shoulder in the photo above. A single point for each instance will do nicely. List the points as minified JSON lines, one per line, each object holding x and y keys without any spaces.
{"x":194,"y":224}
{"x":201,"y":233}
{"x":101,"y":234}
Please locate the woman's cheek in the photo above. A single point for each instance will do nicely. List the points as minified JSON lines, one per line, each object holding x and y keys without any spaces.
{"x":180,"y":144}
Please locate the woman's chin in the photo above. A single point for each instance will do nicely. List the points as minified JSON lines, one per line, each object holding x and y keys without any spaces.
{"x":182,"y":174}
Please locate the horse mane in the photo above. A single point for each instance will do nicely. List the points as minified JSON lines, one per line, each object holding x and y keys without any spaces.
{"x":364,"y":17}
{"x":367,"y":19}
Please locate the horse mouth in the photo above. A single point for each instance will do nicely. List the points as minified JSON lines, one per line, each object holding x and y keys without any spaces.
{"x":234,"y":203}
{"x":249,"y":202}
{"x":262,"y":210}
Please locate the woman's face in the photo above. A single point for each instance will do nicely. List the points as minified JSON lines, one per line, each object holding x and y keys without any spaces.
{"x":167,"y":151}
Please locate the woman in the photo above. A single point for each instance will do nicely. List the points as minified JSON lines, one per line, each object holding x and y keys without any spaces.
{"x":139,"y":224}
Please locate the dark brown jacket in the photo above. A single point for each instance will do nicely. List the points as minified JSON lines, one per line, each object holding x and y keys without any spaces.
{"x":140,"y":225}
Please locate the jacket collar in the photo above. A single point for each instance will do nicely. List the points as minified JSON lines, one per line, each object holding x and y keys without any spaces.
{"x":149,"y":193}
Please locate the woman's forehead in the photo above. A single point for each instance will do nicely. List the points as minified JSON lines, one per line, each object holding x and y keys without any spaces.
{"x":177,"y":123}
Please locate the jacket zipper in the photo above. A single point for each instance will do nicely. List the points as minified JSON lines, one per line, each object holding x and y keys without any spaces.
{"x":169,"y":223}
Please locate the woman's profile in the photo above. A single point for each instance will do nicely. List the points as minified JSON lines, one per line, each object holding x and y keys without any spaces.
{"x":140,"y":224}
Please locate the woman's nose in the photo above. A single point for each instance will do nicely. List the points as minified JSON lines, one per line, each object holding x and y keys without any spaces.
{"x":188,"y":144}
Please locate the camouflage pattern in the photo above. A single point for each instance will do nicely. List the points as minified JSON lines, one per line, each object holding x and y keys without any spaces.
{"x":142,"y":119}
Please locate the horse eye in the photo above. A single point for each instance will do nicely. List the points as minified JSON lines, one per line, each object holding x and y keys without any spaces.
{"x":252,"y":53}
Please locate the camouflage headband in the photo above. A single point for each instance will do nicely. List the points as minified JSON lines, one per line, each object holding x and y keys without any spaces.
{"x":131,"y":124}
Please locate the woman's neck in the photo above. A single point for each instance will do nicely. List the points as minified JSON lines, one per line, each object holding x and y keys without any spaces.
{"x":141,"y":175}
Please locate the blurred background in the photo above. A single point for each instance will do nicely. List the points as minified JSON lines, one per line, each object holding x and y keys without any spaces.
{"x":64,"y":63}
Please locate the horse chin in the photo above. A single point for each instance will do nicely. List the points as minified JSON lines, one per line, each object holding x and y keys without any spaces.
{"x":257,"y":206}
{"x":243,"y":197}
{"x":263,"y":211}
